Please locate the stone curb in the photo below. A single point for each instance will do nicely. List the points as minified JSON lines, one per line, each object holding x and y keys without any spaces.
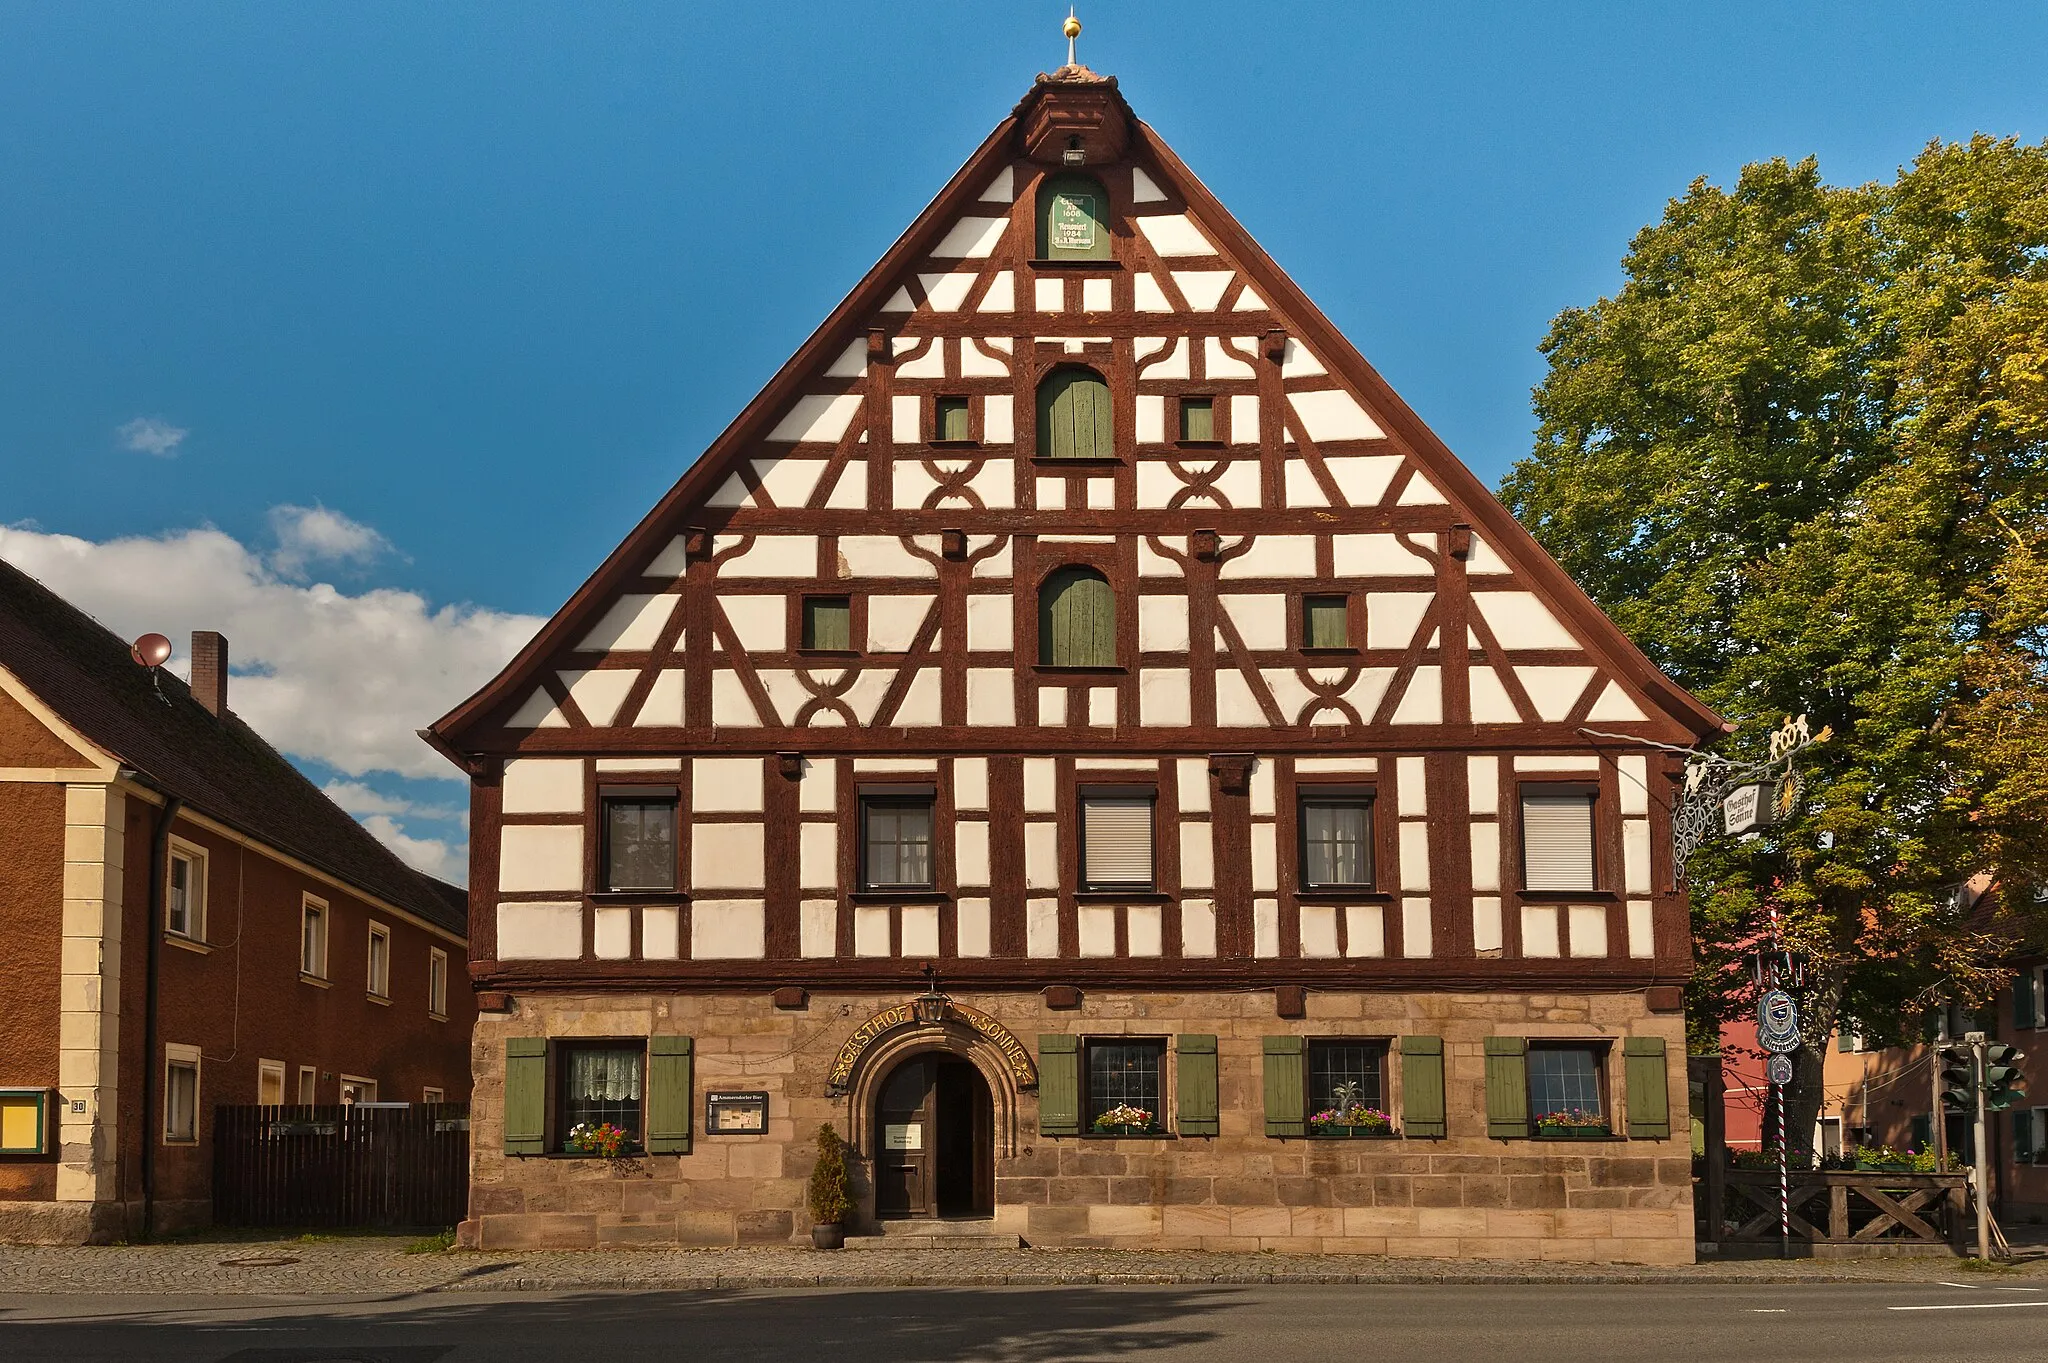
{"x":1085,"y":1279}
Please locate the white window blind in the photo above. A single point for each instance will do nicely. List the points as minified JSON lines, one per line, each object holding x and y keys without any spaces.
{"x":1557,"y":841}
{"x":1116,"y":840}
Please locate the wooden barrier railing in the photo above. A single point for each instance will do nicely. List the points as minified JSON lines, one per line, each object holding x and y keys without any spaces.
{"x":341,"y":1166}
{"x":1846,"y":1207}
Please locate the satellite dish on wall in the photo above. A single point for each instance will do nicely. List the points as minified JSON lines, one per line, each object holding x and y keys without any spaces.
{"x":151,"y":650}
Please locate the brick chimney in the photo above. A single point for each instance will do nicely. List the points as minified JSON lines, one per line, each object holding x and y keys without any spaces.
{"x":210,"y":670}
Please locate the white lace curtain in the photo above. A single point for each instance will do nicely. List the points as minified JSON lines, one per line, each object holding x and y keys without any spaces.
{"x":605,"y":1076}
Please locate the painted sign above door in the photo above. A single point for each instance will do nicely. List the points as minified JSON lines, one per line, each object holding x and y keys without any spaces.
{"x":1016,"y":1057}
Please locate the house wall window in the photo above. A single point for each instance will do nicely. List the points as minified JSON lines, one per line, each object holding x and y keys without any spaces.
{"x":185,"y":892}
{"x":1557,"y":838}
{"x":1325,"y":622}
{"x":270,"y":1082}
{"x":181,"y":1095}
{"x":896,"y":838}
{"x":1116,"y":837}
{"x":639,"y":837}
{"x":828,"y":623}
{"x":1564,"y":1079}
{"x":1125,"y":1073}
{"x":1197,"y":418}
{"x":431,"y":1096}
{"x":601,"y":1082}
{"x":1074,"y":416}
{"x":1344,"y":1073}
{"x":313,"y":938}
{"x":1076,"y":620}
{"x":1336,"y":838}
{"x":356,"y":1089}
{"x":1073,"y":218}
{"x":379,"y":973}
{"x":309,"y":1085}
{"x":437,"y":982}
{"x":949,"y":419}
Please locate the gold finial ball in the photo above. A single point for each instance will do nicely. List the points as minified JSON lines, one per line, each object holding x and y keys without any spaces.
{"x":1072,"y":27}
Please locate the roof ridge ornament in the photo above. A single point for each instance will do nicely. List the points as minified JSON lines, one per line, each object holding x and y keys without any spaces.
{"x":1072,"y":28}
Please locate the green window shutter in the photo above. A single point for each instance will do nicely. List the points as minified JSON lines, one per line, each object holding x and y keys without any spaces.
{"x":1196,"y":1084}
{"x":1325,"y":623}
{"x":1649,"y":1093}
{"x":1059,"y":1086}
{"x":950,"y":419}
{"x":1845,"y":1040}
{"x":670,"y":1066}
{"x":1286,"y":1086}
{"x":1923,"y":1132}
{"x":1073,"y":219}
{"x":828,"y":622}
{"x":1507,"y":1087}
{"x":1077,"y":620}
{"x":1073,"y":416}
{"x":1422,"y":1086}
{"x":2023,"y":1014}
{"x":526,"y":1095}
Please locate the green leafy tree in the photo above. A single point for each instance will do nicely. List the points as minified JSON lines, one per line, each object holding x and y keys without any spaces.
{"x":1802,"y":458}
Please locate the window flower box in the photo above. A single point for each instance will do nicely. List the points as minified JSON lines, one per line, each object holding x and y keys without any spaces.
{"x":1355,"y":1122}
{"x":1125,"y":1120}
{"x":1574,"y":1124}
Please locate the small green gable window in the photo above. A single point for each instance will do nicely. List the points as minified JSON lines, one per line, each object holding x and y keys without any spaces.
{"x":1073,"y":416}
{"x":1073,"y":219}
{"x":1076,"y":620}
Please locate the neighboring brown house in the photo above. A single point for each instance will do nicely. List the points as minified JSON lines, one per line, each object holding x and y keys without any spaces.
{"x":296,"y":959}
{"x":1079,"y":614}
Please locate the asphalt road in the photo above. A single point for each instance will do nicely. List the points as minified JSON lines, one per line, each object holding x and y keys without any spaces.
{"x":1921,"y":1322}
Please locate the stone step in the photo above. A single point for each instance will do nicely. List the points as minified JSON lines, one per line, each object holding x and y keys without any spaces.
{"x":931,"y":1234}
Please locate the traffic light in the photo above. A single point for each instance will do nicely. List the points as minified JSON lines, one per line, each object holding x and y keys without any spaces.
{"x":1958,"y":1079}
{"x":2004,"y":1085}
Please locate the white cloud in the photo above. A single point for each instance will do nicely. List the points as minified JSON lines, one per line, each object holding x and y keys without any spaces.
{"x":152,"y":435}
{"x":435,"y":856}
{"x":307,"y":535}
{"x":345,"y":678}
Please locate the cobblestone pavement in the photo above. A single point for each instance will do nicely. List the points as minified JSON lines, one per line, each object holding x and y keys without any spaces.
{"x":378,"y":1267}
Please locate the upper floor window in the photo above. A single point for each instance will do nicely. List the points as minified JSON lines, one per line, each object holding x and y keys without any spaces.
{"x":437,"y":982}
{"x":1557,"y":838}
{"x":1325,"y":622}
{"x":949,"y":419}
{"x":1073,"y":415}
{"x":1076,"y":620}
{"x":896,"y":838}
{"x":380,"y":961}
{"x":1073,"y":218}
{"x":1336,"y":838}
{"x":828,"y":623}
{"x":1116,"y":837}
{"x":1198,"y":419}
{"x":313,"y":938}
{"x":639,"y":838}
{"x":185,"y":894}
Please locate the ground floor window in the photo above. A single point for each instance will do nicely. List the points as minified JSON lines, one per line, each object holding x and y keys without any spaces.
{"x":1125,"y":1085}
{"x":181,"y":1095}
{"x":1343,"y":1077}
{"x":1564,"y":1079}
{"x":601,"y":1085}
{"x":309,"y":1086}
{"x":355,"y":1089}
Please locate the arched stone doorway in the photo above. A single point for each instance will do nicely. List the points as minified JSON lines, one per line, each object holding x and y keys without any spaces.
{"x":934,"y":1130}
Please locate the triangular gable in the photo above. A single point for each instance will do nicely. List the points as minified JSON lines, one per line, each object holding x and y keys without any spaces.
{"x":33,"y":737}
{"x":1350,"y":443}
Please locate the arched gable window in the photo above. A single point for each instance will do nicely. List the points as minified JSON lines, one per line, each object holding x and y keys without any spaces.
{"x":1073,"y":218}
{"x":1073,"y":416}
{"x":1076,"y":620}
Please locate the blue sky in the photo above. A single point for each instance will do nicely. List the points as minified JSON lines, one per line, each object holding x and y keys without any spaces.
{"x":431,"y":302}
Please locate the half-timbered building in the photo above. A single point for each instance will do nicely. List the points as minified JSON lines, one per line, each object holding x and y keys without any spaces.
{"x":1079,"y":733}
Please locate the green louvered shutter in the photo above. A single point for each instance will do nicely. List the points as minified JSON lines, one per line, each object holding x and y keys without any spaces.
{"x":1196,"y":1084}
{"x":1845,"y":1040}
{"x":1649,"y":1092}
{"x":1422,"y":1086}
{"x":1073,"y":219}
{"x":526,"y":1095}
{"x":2023,"y":1012}
{"x":1507,"y":1087}
{"x":1059,"y":1086}
{"x":670,"y":1064}
{"x":1074,"y":417}
{"x":1077,"y":620}
{"x":1286,"y":1086}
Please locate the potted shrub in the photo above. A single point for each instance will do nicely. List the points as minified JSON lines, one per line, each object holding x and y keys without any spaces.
{"x":1349,"y":1115}
{"x":1572,"y":1124}
{"x":829,"y":1199}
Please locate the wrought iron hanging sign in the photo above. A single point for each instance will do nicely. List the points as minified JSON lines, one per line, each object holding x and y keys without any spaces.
{"x":1777,"y":1022}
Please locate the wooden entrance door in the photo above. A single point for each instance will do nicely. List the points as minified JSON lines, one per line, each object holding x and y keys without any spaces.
{"x":934,"y":1146}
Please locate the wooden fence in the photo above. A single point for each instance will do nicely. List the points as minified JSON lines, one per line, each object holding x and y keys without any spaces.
{"x":1847,"y":1207}
{"x":343,"y":1166}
